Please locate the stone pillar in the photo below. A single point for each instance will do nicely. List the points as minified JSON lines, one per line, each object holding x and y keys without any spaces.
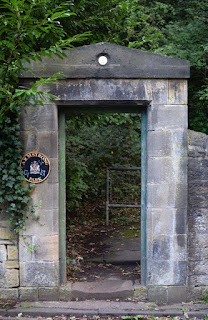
{"x":167,"y":195}
{"x":39,"y":243}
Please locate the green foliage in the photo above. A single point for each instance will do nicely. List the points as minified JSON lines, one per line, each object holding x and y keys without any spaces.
{"x":94,"y":16}
{"x":204,"y":296}
{"x":30,"y":247}
{"x":141,"y":23}
{"x":172,"y":27}
{"x":28,"y":30}
{"x":14,"y":194}
{"x":131,"y":22}
{"x":94,"y":143}
{"x":186,"y":38}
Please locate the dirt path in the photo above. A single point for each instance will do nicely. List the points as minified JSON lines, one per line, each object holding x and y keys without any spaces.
{"x":90,"y":241}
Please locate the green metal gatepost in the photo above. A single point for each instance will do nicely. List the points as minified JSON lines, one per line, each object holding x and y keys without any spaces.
{"x":62,"y":199}
{"x":143,"y":197}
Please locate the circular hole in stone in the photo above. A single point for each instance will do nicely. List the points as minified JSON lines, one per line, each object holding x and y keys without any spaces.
{"x":102,"y":60}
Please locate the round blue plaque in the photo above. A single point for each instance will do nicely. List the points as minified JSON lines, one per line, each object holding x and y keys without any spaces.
{"x":36,"y":167}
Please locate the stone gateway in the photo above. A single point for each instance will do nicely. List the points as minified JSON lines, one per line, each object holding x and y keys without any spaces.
{"x":101,"y":76}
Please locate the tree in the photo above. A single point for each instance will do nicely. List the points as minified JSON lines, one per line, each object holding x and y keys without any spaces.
{"x":185,"y":36}
{"x":28,"y":30}
{"x":173,"y":27}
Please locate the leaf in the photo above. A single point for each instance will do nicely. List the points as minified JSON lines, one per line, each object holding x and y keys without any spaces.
{"x":62,"y":14}
{"x":26,"y":58}
{"x":37,"y":56}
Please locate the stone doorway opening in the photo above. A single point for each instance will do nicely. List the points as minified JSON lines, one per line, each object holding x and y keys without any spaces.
{"x":95,"y":253}
{"x":128,"y":80}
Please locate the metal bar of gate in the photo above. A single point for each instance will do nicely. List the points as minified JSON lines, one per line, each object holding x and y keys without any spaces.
{"x":107,"y":196}
{"x":108,"y":205}
{"x":123,"y":168}
{"x":124,"y":205}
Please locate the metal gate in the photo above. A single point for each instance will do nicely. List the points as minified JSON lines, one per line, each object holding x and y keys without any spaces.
{"x":118,"y":187}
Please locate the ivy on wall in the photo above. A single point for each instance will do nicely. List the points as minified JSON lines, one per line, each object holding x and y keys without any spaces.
{"x":13,"y":193}
{"x":28,"y":30}
{"x":14,"y":190}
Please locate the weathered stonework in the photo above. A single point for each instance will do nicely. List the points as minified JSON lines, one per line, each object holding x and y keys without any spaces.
{"x":9,"y":260}
{"x":12,"y":253}
{"x":153,"y":84}
{"x":197,"y":214}
{"x":11,"y":294}
{"x":28,"y":294}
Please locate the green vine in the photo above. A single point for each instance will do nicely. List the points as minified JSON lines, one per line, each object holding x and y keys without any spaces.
{"x":14,"y":193}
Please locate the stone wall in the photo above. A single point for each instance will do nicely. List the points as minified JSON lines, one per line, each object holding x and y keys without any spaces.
{"x":197,"y":213}
{"x":9,"y":261}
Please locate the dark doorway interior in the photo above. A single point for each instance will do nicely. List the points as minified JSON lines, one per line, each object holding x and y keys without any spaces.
{"x":95,"y":251}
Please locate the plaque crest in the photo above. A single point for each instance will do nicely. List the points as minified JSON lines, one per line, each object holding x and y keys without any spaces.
{"x":36,"y":167}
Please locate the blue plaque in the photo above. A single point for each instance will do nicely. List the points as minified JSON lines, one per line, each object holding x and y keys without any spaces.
{"x":36,"y":167}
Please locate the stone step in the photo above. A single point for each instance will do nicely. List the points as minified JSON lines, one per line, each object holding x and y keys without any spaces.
{"x":122,"y":257}
{"x":123,"y":244}
{"x":118,"y":257}
{"x":103,"y":289}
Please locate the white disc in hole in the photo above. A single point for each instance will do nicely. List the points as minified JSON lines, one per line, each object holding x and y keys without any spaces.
{"x":102,"y":60}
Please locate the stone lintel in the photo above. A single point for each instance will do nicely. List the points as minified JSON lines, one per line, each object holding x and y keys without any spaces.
{"x":122,"y":62}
